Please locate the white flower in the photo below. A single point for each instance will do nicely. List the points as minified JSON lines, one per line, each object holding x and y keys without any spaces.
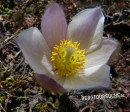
{"x":57,"y":58}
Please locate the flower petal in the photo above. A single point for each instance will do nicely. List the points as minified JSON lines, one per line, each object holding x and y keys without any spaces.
{"x":34,"y":49}
{"x":49,"y":83}
{"x":54,"y":26}
{"x":96,"y":40}
{"x":89,"y":78}
{"x":102,"y":54}
{"x":87,"y":28}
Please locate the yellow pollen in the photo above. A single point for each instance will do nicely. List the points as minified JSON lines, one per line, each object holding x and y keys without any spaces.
{"x":67,"y":58}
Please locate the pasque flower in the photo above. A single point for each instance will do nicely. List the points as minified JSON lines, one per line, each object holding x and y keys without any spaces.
{"x":69,"y":57}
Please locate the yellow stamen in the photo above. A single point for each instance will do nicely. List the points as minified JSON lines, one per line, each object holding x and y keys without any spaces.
{"x":67,"y":58}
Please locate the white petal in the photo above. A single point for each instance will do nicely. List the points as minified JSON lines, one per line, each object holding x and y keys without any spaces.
{"x":102,"y":54}
{"x":96,"y":40}
{"x":90,"y":78}
{"x":87,"y":28}
{"x":34,"y":49}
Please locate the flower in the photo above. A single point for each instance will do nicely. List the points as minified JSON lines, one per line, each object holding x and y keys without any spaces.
{"x":69,"y":57}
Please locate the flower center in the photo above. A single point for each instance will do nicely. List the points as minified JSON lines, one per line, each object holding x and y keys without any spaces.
{"x":67,"y":58}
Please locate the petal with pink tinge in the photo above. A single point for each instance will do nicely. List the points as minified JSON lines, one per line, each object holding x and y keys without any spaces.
{"x":87,"y":28}
{"x":54,"y":26}
{"x":48,"y":83}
